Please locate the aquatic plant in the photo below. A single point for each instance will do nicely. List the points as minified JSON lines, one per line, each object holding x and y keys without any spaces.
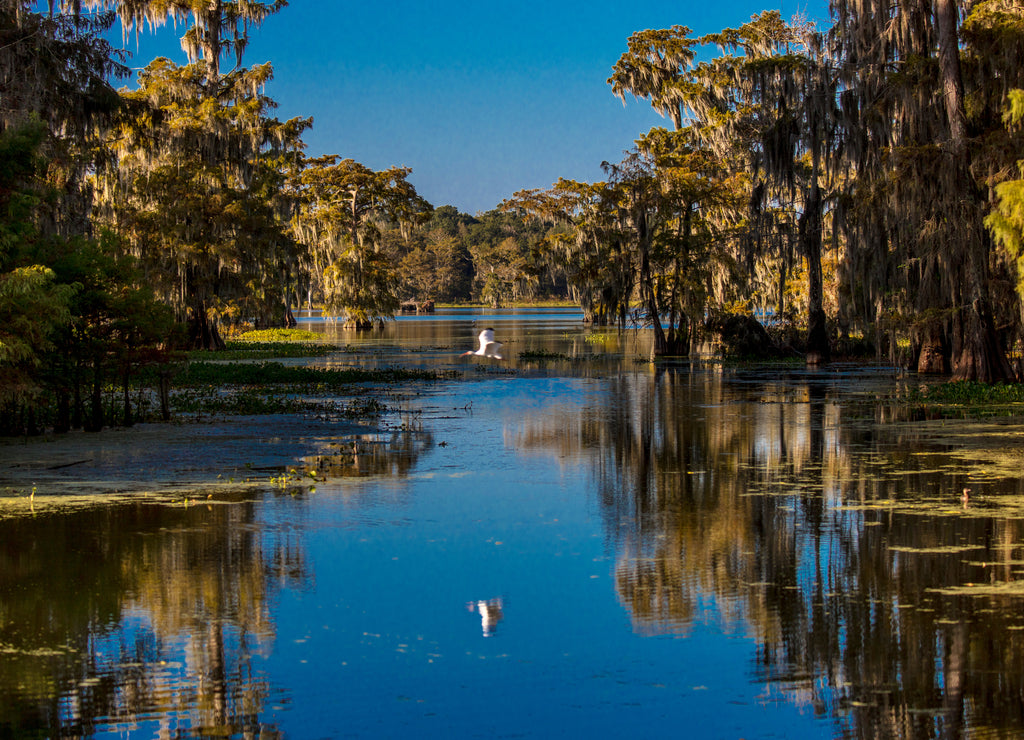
{"x":279,"y":335}
{"x":964,"y":399}
{"x":272,"y":388}
{"x":211,"y":401}
{"x":267,"y":373}
{"x":263,"y":350}
{"x":543,"y":354}
{"x":973,"y":393}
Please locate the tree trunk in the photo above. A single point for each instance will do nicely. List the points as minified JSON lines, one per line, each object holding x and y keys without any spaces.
{"x":77,"y":404}
{"x":289,"y":317}
{"x":979,"y":355}
{"x":649,"y":298}
{"x":780,"y":303}
{"x":202,"y":333}
{"x":127,"y":396}
{"x":63,"y":421}
{"x":165,"y":394}
{"x":818,"y":350}
{"x":933,"y":350}
{"x":94,"y":420}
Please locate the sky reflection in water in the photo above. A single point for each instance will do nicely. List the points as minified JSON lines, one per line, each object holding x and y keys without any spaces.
{"x":392,"y":644}
{"x":592,"y":547}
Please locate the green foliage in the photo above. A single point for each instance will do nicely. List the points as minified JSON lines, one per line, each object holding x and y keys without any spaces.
{"x":19,"y":192}
{"x":1015,"y":111}
{"x":246,"y":350}
{"x":1006,"y":220}
{"x":578,"y":242}
{"x":278,"y":335}
{"x":214,"y":401}
{"x":345,"y":211}
{"x":71,"y":311}
{"x":970,"y":393}
{"x":32,"y":307}
{"x":653,"y":68}
{"x":196,"y":189}
{"x":966,"y":399}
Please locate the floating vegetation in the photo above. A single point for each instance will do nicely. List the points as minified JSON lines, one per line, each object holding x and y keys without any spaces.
{"x":274,"y":373}
{"x":992,"y":563}
{"x":243,"y":382}
{"x":745,"y":361}
{"x":482,"y":369}
{"x":263,"y":351}
{"x":1007,"y":588}
{"x":938,"y":550}
{"x":543,"y":354}
{"x":266,"y":344}
{"x":72,"y":500}
{"x":214,"y":401}
{"x":279,"y":335}
{"x":292,"y":481}
{"x":257,"y":388}
{"x":255,"y":401}
{"x":968,"y":398}
{"x":40,"y":652}
{"x":970,"y":392}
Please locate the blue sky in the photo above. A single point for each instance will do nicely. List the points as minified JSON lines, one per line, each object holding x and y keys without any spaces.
{"x":480,"y":99}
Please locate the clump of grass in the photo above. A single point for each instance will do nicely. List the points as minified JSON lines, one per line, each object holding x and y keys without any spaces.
{"x":254,"y":401}
{"x":212,"y":402}
{"x":274,"y":373}
{"x":265,"y":344}
{"x":279,"y":335}
{"x":237,"y":388}
{"x":202,"y":388}
{"x":745,"y":361}
{"x":966,"y":392}
{"x":262,"y":351}
{"x":964,"y":399}
{"x":542,"y":354}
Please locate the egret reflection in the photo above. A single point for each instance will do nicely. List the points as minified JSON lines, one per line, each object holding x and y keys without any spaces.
{"x":491,"y":612}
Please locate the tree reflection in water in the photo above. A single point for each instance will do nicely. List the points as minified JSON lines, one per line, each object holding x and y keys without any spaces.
{"x":391,"y":454}
{"x":808,"y":518}
{"x":824,"y":529}
{"x":150,"y":617}
{"x":117,"y":614}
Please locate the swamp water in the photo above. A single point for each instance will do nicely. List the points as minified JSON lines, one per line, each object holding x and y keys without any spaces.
{"x":543,"y":547}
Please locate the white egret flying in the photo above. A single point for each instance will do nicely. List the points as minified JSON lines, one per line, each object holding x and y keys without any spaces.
{"x":488,"y":347}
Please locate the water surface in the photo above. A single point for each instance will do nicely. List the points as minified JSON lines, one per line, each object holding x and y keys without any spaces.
{"x":572,"y":541}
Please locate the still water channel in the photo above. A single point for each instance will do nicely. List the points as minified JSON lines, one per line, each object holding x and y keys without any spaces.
{"x":571,"y":541}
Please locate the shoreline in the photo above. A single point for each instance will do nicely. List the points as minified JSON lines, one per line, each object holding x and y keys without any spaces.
{"x":223,"y":452}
